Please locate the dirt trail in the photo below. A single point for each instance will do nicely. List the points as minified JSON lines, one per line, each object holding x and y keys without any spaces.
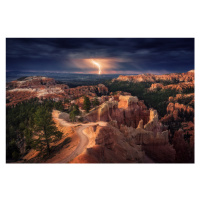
{"x":83,"y":138}
{"x":81,"y":146}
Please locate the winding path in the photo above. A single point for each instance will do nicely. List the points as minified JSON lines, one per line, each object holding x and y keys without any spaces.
{"x":81,"y":146}
{"x":83,"y":138}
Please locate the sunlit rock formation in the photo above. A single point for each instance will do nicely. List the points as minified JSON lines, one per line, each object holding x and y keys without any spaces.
{"x":128,"y":110}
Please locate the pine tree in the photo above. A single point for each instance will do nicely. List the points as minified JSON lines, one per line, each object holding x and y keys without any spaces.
{"x":46,"y":131}
{"x":74,"y":112}
{"x":86,"y":104}
{"x":72,"y":116}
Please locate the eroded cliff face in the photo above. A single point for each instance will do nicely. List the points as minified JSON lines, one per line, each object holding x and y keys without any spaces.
{"x":153,"y":132}
{"x":128,"y":111}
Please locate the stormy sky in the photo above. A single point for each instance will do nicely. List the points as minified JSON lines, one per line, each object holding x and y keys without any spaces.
{"x":114,"y":55}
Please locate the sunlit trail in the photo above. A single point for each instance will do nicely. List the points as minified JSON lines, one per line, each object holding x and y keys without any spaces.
{"x":98,"y":65}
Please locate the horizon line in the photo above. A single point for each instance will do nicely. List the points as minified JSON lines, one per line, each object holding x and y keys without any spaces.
{"x":80,"y":73}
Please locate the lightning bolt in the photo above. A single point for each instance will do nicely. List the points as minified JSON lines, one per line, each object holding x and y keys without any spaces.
{"x":98,"y":65}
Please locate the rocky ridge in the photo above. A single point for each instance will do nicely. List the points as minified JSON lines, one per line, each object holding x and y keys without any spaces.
{"x":45,"y":88}
{"x":180,"y":86}
{"x":180,"y":77}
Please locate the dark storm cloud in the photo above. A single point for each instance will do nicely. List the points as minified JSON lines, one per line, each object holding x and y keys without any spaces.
{"x":139,"y":54}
